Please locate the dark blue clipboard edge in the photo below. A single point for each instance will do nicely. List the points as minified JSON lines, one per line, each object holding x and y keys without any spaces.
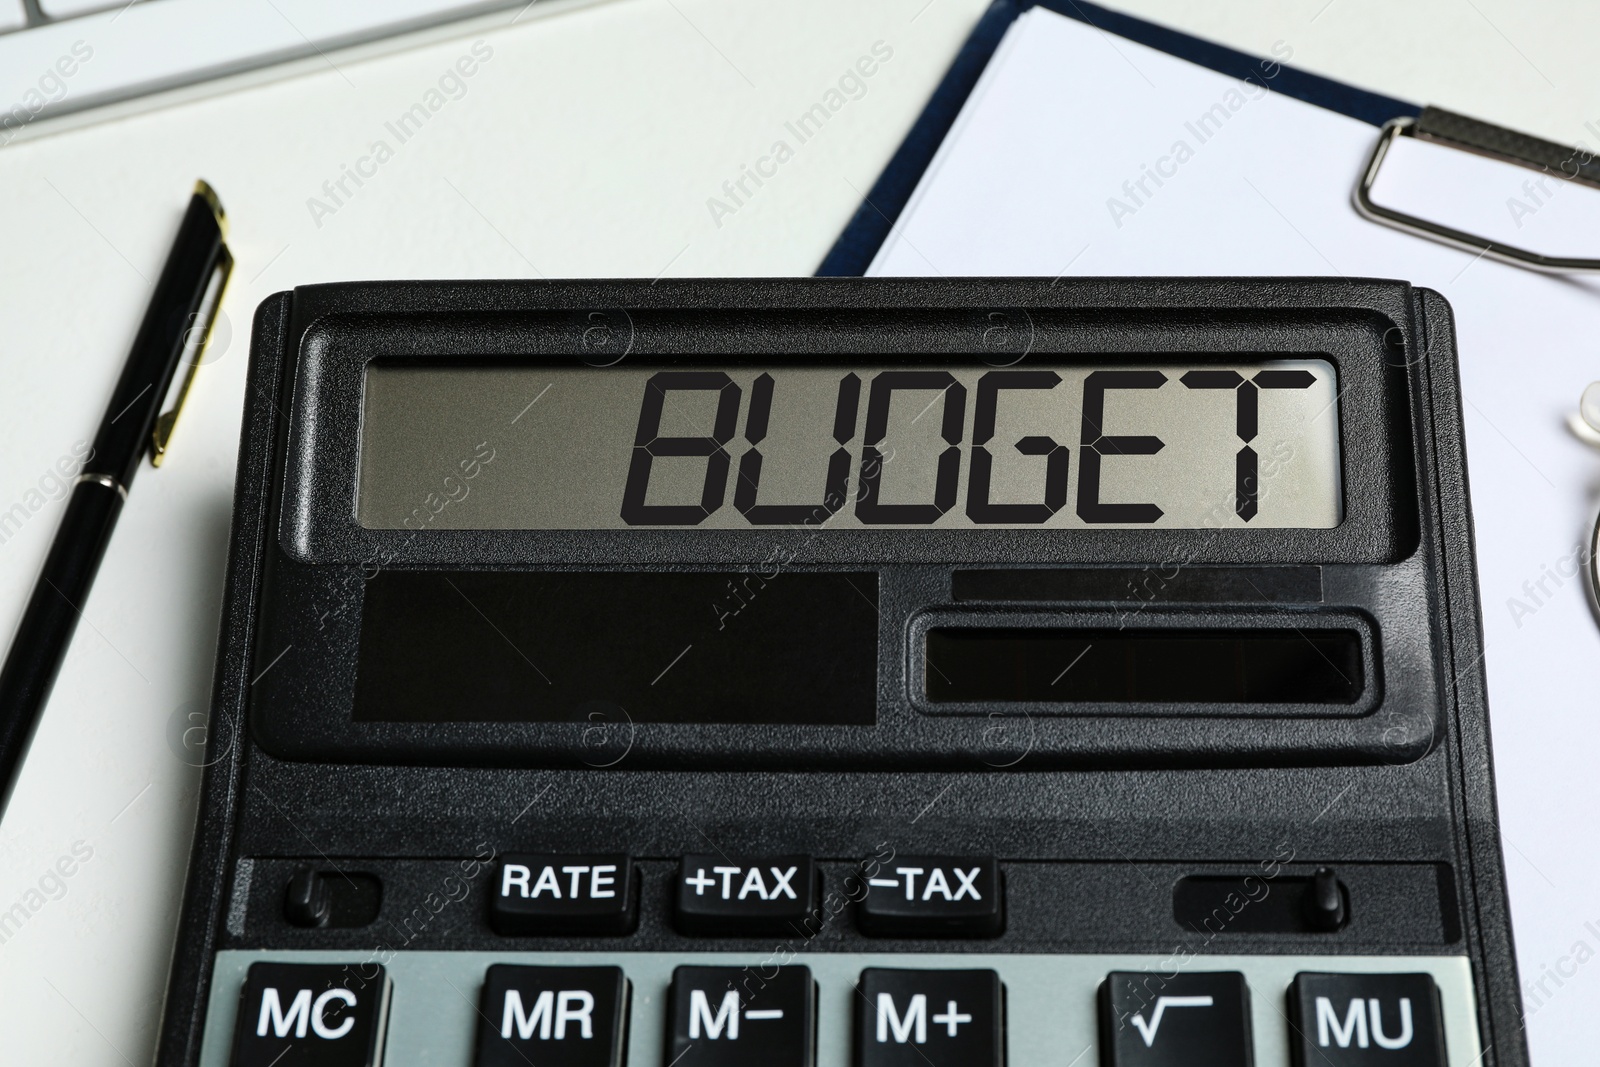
{"x":872,"y":222}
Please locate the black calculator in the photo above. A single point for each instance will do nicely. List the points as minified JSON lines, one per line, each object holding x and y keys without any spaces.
{"x":849,"y":673}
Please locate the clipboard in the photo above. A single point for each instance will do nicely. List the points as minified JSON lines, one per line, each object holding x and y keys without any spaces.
{"x":865,"y":233}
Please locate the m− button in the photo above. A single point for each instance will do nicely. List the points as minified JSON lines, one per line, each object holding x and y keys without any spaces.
{"x":552,"y":1016}
{"x":311,"y":1015}
{"x":913,"y":1018}
{"x":1365,"y":1020}
{"x":742,"y":1016}
{"x":563,"y":894}
{"x":745,"y":895}
{"x":932,"y":896}
{"x":1149,"y":1019}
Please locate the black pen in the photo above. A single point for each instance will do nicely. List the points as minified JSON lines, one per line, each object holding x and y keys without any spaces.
{"x":177,"y":321}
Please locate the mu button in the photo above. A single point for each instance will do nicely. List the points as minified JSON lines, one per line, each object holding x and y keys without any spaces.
{"x":746,"y":895}
{"x":930,"y":1019}
{"x":311,"y":1015}
{"x":1366,"y":1020}
{"x":552,"y":1016}
{"x":742,"y":1016}
{"x":1175,"y":1020}
{"x":562,"y":894}
{"x":932,"y":896}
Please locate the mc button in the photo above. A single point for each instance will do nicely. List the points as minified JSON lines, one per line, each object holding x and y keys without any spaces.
{"x":311,"y":1015}
{"x":932,"y":896}
{"x":749,"y":895}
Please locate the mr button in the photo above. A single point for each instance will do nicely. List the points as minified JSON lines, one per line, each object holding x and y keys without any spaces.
{"x":311,"y":1015}
{"x":562,"y":894}
{"x":1182,"y":1020}
{"x":1366,"y":1020}
{"x":930,"y":1019}
{"x":552,"y":1016}
{"x":933,"y":896}
{"x":738,"y":1016}
{"x":752,"y":895}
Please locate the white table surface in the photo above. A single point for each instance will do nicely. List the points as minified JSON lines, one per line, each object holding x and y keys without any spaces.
{"x":587,"y":144}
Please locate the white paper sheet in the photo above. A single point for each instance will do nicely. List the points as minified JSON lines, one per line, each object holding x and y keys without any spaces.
{"x":1042,"y":174}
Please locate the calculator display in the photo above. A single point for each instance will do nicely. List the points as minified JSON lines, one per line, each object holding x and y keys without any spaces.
{"x":851,"y":447}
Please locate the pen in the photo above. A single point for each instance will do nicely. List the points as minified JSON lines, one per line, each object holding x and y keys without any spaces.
{"x":177,"y":321}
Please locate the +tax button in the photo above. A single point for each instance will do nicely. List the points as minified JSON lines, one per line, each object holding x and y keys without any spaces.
{"x":745,"y":895}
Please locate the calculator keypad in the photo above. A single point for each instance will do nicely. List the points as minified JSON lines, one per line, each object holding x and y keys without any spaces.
{"x":821,"y":1008}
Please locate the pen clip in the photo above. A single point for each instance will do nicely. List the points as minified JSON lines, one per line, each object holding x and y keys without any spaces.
{"x":196,"y":336}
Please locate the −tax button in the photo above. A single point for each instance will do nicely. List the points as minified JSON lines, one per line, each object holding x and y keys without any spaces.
{"x":562,"y":894}
{"x":745,"y":895}
{"x":932,"y":896}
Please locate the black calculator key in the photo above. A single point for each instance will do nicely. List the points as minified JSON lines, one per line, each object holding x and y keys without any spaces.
{"x":311,"y":1015}
{"x":1357,"y":1020}
{"x":753,"y":1016}
{"x":746,"y":895}
{"x":562,"y":894}
{"x":1183,"y":1020}
{"x":932,"y":896}
{"x":552,"y":1016}
{"x":930,"y":1019}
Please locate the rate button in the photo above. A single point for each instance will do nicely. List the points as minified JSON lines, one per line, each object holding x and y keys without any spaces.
{"x":562,"y":895}
{"x":932,"y":896}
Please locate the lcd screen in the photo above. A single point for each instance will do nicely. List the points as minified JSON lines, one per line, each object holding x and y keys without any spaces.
{"x":851,"y":447}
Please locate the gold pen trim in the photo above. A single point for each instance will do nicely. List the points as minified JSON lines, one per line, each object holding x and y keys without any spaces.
{"x":203,"y":190}
{"x":198,"y":334}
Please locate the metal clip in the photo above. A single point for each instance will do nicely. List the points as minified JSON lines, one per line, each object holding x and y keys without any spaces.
{"x":1494,"y":142}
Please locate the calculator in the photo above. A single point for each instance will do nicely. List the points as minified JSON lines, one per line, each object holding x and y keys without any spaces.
{"x":849,"y":673}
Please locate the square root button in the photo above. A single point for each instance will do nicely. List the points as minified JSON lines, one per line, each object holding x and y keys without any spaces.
{"x":746,"y":895}
{"x":311,"y":1015}
{"x":562,"y":894}
{"x":552,"y":1016}
{"x":932,"y":896}
{"x":1148,"y":1019}
{"x":1366,"y":1020}
{"x":907,"y":1018}
{"x":755,"y":1016}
